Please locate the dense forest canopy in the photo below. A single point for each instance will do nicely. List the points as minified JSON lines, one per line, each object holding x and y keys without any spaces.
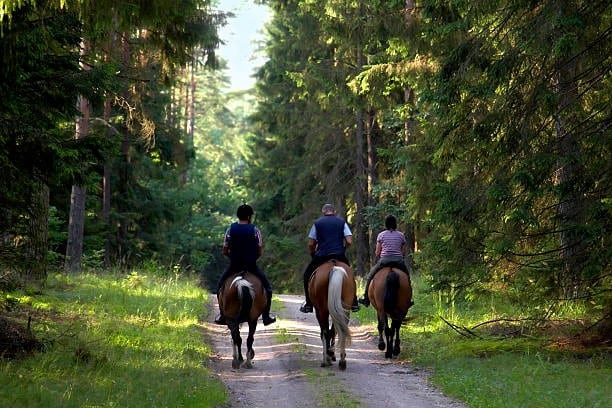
{"x":482,"y":125}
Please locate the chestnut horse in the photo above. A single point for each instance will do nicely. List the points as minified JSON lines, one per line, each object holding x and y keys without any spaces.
{"x":390,"y":293}
{"x":242,"y":299}
{"x":332,"y":290}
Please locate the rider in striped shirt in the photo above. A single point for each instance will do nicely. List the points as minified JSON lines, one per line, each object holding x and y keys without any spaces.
{"x":390,"y":251}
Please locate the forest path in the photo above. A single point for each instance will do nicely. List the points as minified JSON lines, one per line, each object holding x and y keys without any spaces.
{"x":287,"y":370}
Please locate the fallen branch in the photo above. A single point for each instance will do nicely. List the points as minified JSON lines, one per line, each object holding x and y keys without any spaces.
{"x":464,"y":331}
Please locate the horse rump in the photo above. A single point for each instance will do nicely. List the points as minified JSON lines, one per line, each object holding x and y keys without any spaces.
{"x":390,"y":294}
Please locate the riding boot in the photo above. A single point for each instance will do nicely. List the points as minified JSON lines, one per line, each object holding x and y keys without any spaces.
{"x":267,"y":319}
{"x":355,"y":306}
{"x":307,"y":306}
{"x":220,"y":319}
{"x":366,"y":299}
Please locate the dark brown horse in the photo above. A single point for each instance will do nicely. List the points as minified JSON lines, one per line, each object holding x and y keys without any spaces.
{"x":332,"y":290}
{"x":391,"y":295}
{"x":242,"y":299}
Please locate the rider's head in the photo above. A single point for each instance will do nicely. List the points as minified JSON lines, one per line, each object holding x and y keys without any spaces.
{"x":390,"y":222}
{"x":245,"y":212}
{"x":328,"y":209}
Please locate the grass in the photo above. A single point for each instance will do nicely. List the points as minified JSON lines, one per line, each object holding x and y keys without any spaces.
{"x":503,"y":364}
{"x":114,"y":341}
{"x":329,"y":392}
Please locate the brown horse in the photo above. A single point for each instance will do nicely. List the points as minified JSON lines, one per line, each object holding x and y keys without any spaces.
{"x":242,"y":299}
{"x":332,"y":290}
{"x":391,"y":295}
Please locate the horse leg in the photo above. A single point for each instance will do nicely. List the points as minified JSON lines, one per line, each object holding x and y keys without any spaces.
{"x":250,"y":353}
{"x":389,"y":336}
{"x":331,"y":350}
{"x":396,"y":328}
{"x":325,"y":339}
{"x":236,"y":345}
{"x":342,"y":345}
{"x":382,"y":322}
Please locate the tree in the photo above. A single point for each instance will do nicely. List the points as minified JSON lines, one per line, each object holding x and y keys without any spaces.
{"x":40,"y":63}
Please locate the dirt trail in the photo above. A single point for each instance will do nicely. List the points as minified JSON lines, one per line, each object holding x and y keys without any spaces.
{"x":287,"y":370}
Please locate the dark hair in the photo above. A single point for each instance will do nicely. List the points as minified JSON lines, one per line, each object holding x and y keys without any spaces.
{"x":244,"y":212}
{"x":390,"y":222}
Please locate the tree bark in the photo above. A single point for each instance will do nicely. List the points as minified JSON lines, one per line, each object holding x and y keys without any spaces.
{"x":571,"y":205}
{"x":361,"y":230}
{"x":76,"y":221}
{"x":37,"y":248}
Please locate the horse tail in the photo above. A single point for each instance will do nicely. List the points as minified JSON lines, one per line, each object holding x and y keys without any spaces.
{"x":246,"y":294}
{"x":391,"y":291}
{"x":338,"y":313}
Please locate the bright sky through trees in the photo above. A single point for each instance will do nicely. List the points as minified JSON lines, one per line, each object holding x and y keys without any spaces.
{"x":241,"y":37}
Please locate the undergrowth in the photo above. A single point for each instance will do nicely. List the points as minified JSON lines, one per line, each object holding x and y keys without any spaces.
{"x":494,"y":354}
{"x":112,"y":340}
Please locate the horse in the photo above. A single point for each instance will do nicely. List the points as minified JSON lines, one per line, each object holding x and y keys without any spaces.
{"x":332,"y":290}
{"x":390,"y":293}
{"x":242,"y":299}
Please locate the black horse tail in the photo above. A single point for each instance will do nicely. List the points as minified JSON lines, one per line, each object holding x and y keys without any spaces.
{"x":247,"y":297}
{"x":392,"y":284}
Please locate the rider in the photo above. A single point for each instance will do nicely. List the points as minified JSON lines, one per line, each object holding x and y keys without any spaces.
{"x":243,"y":245}
{"x":328,"y":239}
{"x":390,"y":249}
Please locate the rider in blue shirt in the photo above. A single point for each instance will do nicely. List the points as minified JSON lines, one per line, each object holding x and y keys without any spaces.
{"x":328,"y":239}
{"x":243,"y":245}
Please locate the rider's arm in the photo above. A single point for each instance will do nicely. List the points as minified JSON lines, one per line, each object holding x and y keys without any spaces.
{"x":378,"y":250}
{"x":312,"y":246}
{"x":348,"y":241}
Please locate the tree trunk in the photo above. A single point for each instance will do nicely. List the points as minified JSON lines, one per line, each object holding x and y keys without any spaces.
{"x":361,"y":230}
{"x":106,"y":195}
{"x":409,"y":231}
{"x":76,"y":221}
{"x":124,"y":166}
{"x":571,"y":205}
{"x":37,"y":248}
{"x":372,"y":176}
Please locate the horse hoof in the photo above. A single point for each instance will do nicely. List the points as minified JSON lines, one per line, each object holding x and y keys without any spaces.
{"x":235,"y":365}
{"x":388,"y":355}
{"x":381,"y":346}
{"x":248,"y":365}
{"x":342,"y":365}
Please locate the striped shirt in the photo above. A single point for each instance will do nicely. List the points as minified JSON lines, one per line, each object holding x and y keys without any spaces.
{"x":391,"y":243}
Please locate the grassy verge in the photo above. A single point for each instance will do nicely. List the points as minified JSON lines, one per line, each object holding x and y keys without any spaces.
{"x":112,"y":341}
{"x":502,"y":365}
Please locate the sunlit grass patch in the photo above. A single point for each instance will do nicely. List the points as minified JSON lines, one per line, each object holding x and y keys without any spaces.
{"x":491,"y":354}
{"x":115,"y":340}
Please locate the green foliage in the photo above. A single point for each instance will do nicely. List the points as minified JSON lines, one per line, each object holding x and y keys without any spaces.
{"x":114,"y":340}
{"x":495,"y":355}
